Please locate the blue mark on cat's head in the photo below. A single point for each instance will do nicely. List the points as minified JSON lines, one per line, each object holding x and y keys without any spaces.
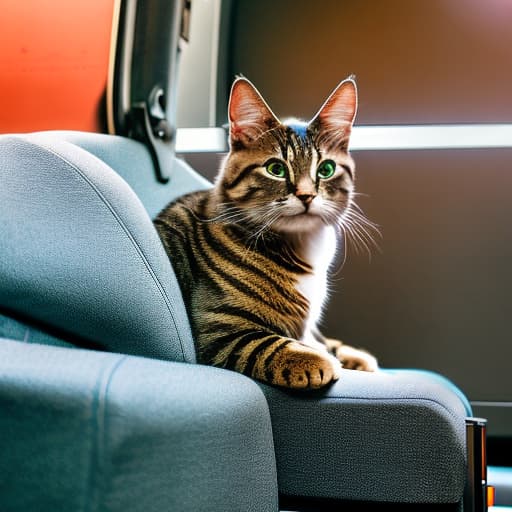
{"x":300,"y":128}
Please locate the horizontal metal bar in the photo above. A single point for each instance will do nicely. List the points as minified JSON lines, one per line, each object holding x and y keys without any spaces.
{"x":457,"y":136}
{"x":477,"y":403}
{"x":201,"y":140}
{"x":372,"y":138}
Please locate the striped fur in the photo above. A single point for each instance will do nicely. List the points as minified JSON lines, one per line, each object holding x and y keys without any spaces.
{"x":252,"y":254}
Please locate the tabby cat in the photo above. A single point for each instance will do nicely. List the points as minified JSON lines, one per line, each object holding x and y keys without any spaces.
{"x":252,"y":255}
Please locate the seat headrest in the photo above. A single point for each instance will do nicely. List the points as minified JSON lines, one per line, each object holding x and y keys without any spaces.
{"x":79,"y":253}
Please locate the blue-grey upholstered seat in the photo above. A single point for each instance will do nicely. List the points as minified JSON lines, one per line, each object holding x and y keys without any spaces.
{"x":82,"y":430}
{"x":133,"y":426}
{"x":128,"y":418}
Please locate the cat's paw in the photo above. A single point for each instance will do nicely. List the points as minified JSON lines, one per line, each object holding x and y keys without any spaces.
{"x":355,"y":359}
{"x":301,"y":367}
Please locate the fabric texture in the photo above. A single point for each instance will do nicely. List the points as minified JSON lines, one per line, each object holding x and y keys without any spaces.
{"x":390,"y":437}
{"x":89,"y":431}
{"x":80,"y":252}
{"x":131,"y":160}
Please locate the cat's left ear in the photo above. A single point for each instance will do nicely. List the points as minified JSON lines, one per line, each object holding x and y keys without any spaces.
{"x":249,"y":114}
{"x":335,"y":118}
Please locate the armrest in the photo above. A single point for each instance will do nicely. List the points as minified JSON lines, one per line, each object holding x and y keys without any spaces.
{"x":394,"y":436}
{"x":84,"y":430}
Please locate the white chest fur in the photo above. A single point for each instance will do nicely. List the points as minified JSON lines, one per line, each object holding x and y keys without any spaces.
{"x":319,"y":250}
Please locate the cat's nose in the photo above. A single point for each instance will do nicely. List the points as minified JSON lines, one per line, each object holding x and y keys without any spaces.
{"x":306,"y":198}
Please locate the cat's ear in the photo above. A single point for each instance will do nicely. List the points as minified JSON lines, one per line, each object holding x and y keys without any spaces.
{"x":334,"y":120}
{"x":249,"y":115}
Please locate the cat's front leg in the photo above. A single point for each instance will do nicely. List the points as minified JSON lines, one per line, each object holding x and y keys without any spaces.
{"x":350,"y":357}
{"x":299,"y":367}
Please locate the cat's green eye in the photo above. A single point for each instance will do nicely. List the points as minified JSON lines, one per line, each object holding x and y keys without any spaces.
{"x":326,"y":169}
{"x":276,"y":169}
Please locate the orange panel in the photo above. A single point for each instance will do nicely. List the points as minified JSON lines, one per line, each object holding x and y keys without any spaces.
{"x":491,"y":496}
{"x":54,"y":64}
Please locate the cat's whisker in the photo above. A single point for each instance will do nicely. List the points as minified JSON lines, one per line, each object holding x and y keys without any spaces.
{"x":356,"y":211}
{"x":266,"y":219}
{"x":366,"y":230}
{"x":358,"y":194}
{"x":362,"y":222}
{"x":329,"y":218}
{"x":356,"y":239}
{"x":366,"y":225}
{"x":266,"y":223}
{"x":360,"y":238}
{"x":232,"y":218}
{"x":330,"y":214}
{"x":359,"y":244}
{"x":360,"y":229}
{"x":228,"y":213}
{"x":231,"y":214}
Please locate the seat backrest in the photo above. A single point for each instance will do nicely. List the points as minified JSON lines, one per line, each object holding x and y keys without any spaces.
{"x":132,"y":161}
{"x":79,"y":253}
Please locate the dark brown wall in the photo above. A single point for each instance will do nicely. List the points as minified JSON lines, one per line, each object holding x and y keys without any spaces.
{"x":438,"y":293}
{"x":420,"y":61}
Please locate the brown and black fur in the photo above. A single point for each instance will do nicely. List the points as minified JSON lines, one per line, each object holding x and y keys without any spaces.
{"x":242,"y":249}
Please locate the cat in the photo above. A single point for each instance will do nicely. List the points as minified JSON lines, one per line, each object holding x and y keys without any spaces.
{"x":252,"y":255}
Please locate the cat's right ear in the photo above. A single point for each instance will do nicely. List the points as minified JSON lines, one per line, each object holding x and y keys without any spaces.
{"x":249,"y":114}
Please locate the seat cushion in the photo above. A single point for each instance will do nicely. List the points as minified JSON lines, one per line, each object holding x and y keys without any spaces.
{"x":382,"y":437}
{"x":80,"y":253}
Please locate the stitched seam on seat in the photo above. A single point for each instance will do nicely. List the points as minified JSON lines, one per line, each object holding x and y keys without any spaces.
{"x":97,"y":461}
{"x":135,"y":244}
